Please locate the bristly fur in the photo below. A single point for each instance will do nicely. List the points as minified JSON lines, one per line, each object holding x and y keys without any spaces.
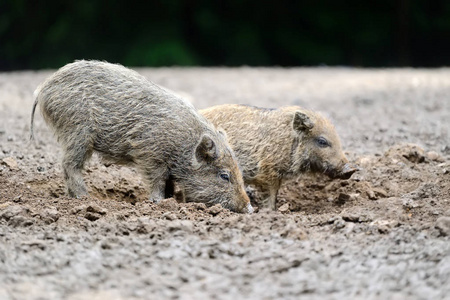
{"x":275,"y":145}
{"x":107,"y":108}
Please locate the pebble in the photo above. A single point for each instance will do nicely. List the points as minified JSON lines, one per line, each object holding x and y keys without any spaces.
{"x":92,"y":216}
{"x":11,"y":163}
{"x":215,"y":210}
{"x":183,"y":225}
{"x":284,"y":208}
{"x":50,"y":215}
{"x":169,"y":204}
{"x":169,"y":216}
{"x":371,"y":195}
{"x":434,"y":156}
{"x":294,"y":232}
{"x":384,"y":226}
{"x":77,"y":209}
{"x":413,"y":153}
{"x":339,"y":224}
{"x":145,"y":225}
{"x":443,"y":225}
{"x":11,"y":211}
{"x":93,"y":208}
{"x":409,"y":203}
{"x":350,"y":217}
{"x":199,"y":206}
{"x":380,"y":192}
{"x":342,"y":199}
{"x":20,"y":221}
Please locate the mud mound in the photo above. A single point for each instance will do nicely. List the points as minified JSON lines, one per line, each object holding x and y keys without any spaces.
{"x":404,"y":181}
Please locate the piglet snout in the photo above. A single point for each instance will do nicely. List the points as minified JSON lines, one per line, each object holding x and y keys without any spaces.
{"x":347,"y":171}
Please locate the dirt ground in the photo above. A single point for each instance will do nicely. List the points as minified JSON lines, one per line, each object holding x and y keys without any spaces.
{"x":382,"y":234}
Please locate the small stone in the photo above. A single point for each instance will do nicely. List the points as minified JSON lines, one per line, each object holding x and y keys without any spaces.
{"x":77,"y":209}
{"x":20,"y":221}
{"x":3,"y":206}
{"x":342,"y":199}
{"x":199,"y":206}
{"x":434,"y":156}
{"x":40,"y":169}
{"x":93,"y":208}
{"x":284,"y":208}
{"x":12,"y":211}
{"x":92,"y":216}
{"x":384,"y":226}
{"x":10,"y":138}
{"x":11,"y":163}
{"x":169,"y":216}
{"x":409,"y":203}
{"x":145,"y":226}
{"x":109,"y":186}
{"x":371,"y":195}
{"x":350,"y":217}
{"x":292,"y":231}
{"x":365,"y":217}
{"x":380,"y":192}
{"x":339,"y":223}
{"x":414,"y":153}
{"x":50,"y":215}
{"x":169,"y":204}
{"x":183,"y":225}
{"x":443,"y":225}
{"x":215,"y":210}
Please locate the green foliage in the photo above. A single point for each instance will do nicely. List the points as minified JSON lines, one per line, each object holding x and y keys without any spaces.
{"x":48,"y":34}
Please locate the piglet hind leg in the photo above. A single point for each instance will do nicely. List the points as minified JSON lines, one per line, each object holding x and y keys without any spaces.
{"x":75,"y":156}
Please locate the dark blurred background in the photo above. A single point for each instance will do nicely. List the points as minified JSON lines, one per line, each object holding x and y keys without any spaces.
{"x":385,"y":33}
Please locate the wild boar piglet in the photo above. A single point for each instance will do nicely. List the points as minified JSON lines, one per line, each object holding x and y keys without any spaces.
{"x":114,"y":111}
{"x":273,"y":145}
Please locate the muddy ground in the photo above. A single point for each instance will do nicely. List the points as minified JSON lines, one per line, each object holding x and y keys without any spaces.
{"x":383,"y":234}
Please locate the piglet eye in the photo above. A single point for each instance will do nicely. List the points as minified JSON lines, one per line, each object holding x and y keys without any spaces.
{"x":225,"y":176}
{"x":322,"y":142}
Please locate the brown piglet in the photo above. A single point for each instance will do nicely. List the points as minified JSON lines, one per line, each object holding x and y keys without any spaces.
{"x":273,"y":145}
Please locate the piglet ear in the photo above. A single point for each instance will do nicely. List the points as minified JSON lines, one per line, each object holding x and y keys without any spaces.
{"x":302,"y":122}
{"x":206,"y":150}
